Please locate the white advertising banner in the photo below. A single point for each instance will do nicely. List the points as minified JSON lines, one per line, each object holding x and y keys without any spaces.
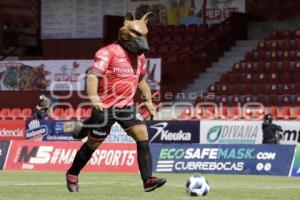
{"x":59,"y":75}
{"x":84,"y":19}
{"x":77,"y":18}
{"x":230,"y":132}
{"x":43,"y":74}
{"x":245,"y":132}
{"x":186,"y":11}
{"x":290,"y":133}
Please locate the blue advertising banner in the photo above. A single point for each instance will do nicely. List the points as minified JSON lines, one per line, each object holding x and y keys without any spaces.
{"x":4,"y":145}
{"x":174,"y":131}
{"x":62,"y":130}
{"x":49,"y":130}
{"x":223,"y":159}
{"x":295,"y":169}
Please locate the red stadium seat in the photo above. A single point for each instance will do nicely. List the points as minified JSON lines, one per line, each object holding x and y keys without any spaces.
{"x":285,"y":78}
{"x":224,"y":77}
{"x":57,"y":113}
{"x":273,"y":110}
{"x":297,"y":89}
{"x":297,"y":34}
{"x":287,"y":35}
{"x":87,"y":113}
{"x":261,"y":56}
{"x":262,"y":99}
{"x":261,"y":67}
{"x":261,"y":89}
{"x":235,"y":113}
{"x":248,"y":89}
{"x":5,"y":113}
{"x":274,"y":67}
{"x":223,"y":112}
{"x":26,"y":113}
{"x":69,"y":113}
{"x":284,"y":113}
{"x":273,"y":78}
{"x":274,"y":45}
{"x":287,"y":67}
{"x":247,"y":113}
{"x":198,"y":113}
{"x":286,"y":45}
{"x":296,"y":67}
{"x":249,"y":56}
{"x":296,"y":44}
{"x":297,"y":78}
{"x":210,"y":113}
{"x":186,"y":114}
{"x":262,"y":45}
{"x":296,"y":113}
{"x":258,"y":113}
{"x":274,"y":35}
{"x":16,"y":113}
{"x":287,"y":89}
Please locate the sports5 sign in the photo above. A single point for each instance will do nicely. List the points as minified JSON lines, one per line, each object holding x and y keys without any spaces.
{"x":58,"y":156}
{"x":224,"y":159}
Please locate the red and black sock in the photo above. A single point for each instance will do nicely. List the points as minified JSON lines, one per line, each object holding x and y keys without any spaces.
{"x":82,"y":157}
{"x":144,"y":159}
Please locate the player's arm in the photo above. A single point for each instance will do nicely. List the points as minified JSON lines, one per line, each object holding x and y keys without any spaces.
{"x":145,"y":91}
{"x":100,"y":65}
{"x":92,"y":91}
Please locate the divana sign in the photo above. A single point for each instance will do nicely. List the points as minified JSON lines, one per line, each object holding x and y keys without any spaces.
{"x":223,"y":159}
{"x":230,"y":132}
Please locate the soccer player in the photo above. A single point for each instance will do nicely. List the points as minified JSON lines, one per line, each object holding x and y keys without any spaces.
{"x":111,"y":83}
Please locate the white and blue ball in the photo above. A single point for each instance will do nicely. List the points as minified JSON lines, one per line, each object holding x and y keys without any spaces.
{"x":197,"y":185}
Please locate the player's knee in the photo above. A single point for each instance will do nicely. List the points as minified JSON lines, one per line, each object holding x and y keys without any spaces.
{"x":93,"y":144}
{"x":138,"y":133}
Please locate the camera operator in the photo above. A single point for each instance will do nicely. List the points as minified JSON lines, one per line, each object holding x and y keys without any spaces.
{"x":270,"y":131}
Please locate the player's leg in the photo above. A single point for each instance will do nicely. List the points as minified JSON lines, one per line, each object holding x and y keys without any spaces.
{"x":82,"y":128}
{"x":133,"y":124}
{"x":140,"y":134}
{"x":102,"y":124}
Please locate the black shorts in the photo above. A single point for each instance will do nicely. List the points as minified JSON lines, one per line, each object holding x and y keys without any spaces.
{"x":101,"y":122}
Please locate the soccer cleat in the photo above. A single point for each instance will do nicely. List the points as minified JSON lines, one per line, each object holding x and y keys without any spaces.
{"x":72,"y":182}
{"x":153,"y":182}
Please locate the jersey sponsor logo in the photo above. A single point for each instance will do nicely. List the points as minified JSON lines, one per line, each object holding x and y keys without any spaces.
{"x":164,"y":134}
{"x":99,"y":133}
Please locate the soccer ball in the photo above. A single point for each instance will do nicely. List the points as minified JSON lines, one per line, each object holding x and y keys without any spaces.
{"x":197,"y":185}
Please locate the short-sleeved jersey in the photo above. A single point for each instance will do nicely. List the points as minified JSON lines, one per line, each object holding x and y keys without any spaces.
{"x":118,"y":75}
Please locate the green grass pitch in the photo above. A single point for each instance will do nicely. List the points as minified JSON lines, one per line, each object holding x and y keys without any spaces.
{"x":115,"y":186}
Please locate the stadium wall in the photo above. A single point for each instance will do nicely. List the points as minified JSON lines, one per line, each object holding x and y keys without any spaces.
{"x":276,"y":160}
{"x":177,"y":147}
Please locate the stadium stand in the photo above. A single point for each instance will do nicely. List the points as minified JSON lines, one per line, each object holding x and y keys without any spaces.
{"x":268,"y":74}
